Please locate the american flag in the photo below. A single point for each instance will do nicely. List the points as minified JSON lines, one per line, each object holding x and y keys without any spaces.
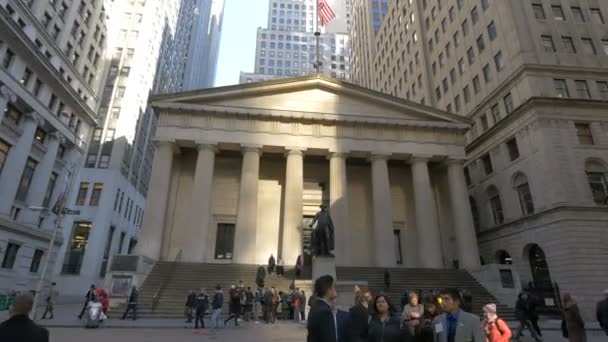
{"x":326,"y":14}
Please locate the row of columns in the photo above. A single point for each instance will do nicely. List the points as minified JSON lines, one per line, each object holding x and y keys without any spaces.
{"x":429,"y":242}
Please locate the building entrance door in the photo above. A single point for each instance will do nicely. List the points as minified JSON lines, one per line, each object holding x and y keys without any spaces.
{"x":224,"y":241}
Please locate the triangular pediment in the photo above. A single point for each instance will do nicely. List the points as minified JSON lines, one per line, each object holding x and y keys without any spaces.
{"x":314,"y":94}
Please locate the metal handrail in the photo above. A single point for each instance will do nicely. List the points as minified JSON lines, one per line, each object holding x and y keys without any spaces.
{"x":165,"y":281}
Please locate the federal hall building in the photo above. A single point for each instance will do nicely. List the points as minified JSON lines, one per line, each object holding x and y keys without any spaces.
{"x":240,"y":171}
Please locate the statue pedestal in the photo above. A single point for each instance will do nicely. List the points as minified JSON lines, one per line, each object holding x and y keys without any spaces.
{"x":323,"y":266}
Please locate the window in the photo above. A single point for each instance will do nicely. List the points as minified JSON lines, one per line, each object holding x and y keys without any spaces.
{"x":520,"y":183}
{"x":539,"y":12}
{"x":588,"y":46}
{"x":605,"y":46}
{"x":10,"y":255}
{"x":466,"y":93}
{"x":40,"y":135}
{"x":121,"y":243}
{"x":508,"y":101}
{"x":486,"y":160}
{"x":96,"y":194}
{"x":602,"y":87}
{"x":36,"y":259}
{"x":495,"y":205}
{"x":465,"y":28}
{"x":548,"y":45}
{"x":558,"y":13}
{"x":582,"y":89}
{"x":26,"y":180}
{"x":9,"y":55}
{"x":495,"y":110}
{"x":461,"y":66}
{"x":90,"y":161}
{"x":561,"y":88}
{"x":596,"y":14}
{"x":475,"y":214}
{"x":513,"y":149}
{"x":471,"y":56}
{"x":484,"y":123}
{"x":474,"y":15}
{"x":49,"y":190}
{"x":577,"y":13}
{"x":485,"y":4}
{"x":224,"y":241}
{"x":487,"y":74}
{"x":4,"y":148}
{"x":72,"y":261}
{"x":492,"y":31}
{"x":499,"y":61}
{"x":568,"y":44}
{"x":596,"y":177}
{"x":82,"y":193}
{"x":583,"y":132}
{"x":476,"y":85}
{"x":481,"y":45}
{"x":27,"y":76}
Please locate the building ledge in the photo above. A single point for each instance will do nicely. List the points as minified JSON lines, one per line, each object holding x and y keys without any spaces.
{"x":35,"y":233}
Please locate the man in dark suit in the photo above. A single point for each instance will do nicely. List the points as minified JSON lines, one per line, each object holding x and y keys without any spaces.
{"x":359,"y":318}
{"x":322,"y":321}
{"x":20,"y":327}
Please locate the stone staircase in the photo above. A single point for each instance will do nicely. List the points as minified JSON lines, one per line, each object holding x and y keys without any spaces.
{"x":425,"y":280}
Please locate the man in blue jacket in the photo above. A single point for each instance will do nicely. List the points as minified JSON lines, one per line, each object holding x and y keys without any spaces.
{"x":216,"y":305}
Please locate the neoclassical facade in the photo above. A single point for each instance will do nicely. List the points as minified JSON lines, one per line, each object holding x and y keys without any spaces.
{"x":239,"y":171}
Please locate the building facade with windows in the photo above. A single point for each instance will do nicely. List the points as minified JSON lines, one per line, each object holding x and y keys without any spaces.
{"x":532,"y":75}
{"x":288,"y":46}
{"x":111,"y":189}
{"x":51,"y":66}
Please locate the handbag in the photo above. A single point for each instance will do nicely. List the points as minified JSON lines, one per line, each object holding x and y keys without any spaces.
{"x":564,"y":329}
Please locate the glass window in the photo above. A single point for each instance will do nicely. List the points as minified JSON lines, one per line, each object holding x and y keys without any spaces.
{"x":513,"y":149}
{"x":487,"y":73}
{"x":495,"y":205}
{"x":26,"y":180}
{"x":520,"y":182}
{"x":596,"y":177}
{"x":4,"y":148}
{"x":10,"y":255}
{"x":539,"y":12}
{"x":36,"y":259}
{"x":577,"y":13}
{"x":495,"y":110}
{"x":76,"y":248}
{"x":568,"y":44}
{"x":499,"y":61}
{"x":465,"y":28}
{"x":96,"y":194}
{"x":492,"y":31}
{"x":583,"y":132}
{"x":484,"y":123}
{"x":605,"y":46}
{"x":487,"y":164}
{"x":597,"y":16}
{"x":561,"y":88}
{"x":547,"y":42}
{"x":582,"y":89}
{"x":476,"y":84}
{"x":82,"y":193}
{"x":588,"y":46}
{"x":49,"y":190}
{"x":481,"y":45}
{"x":602,"y":87}
{"x":558,"y":13}
{"x":508,"y":101}
{"x":474,"y":15}
{"x":471,"y":56}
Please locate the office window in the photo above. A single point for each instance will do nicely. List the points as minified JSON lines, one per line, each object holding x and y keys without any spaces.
{"x":568,"y":44}
{"x":539,"y":12}
{"x":456,"y":39}
{"x":466,"y":93}
{"x":72,"y":261}
{"x":577,"y":13}
{"x":486,"y":160}
{"x":465,"y":28}
{"x":596,"y":177}
{"x":583,"y":132}
{"x":36,"y":259}
{"x":492,"y":31}
{"x":26,"y":180}
{"x":484,"y":123}
{"x":96,"y":194}
{"x":487,"y":73}
{"x":474,"y":15}
{"x":471,"y":56}
{"x":481,"y":45}
{"x":461,"y":66}
{"x":596,"y":15}
{"x":508,"y":101}
{"x":26,"y":77}
{"x":495,"y":205}
{"x":476,"y":84}
{"x":520,"y":182}
{"x":602,"y":87}
{"x":558,"y":12}
{"x":582,"y":89}
{"x":499,"y":61}
{"x":495,"y":110}
{"x":547,"y":42}
{"x":561,"y":88}
{"x":10,"y":255}
{"x":82,"y":193}
{"x":8,"y":58}
{"x":588,"y":46}
{"x":605,"y":46}
{"x":49,"y":190}
{"x":513,"y":149}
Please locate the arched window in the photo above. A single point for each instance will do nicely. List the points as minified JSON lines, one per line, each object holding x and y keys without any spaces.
{"x":596,"y":176}
{"x":503,"y":257}
{"x":538,"y":266}
{"x":474,"y":213}
{"x":495,"y":205}
{"x":520,"y":183}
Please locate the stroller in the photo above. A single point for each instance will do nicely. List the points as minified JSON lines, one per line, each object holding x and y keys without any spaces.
{"x":94,"y":315}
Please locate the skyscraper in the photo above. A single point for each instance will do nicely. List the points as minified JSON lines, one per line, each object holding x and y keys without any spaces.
{"x":51,"y":65}
{"x":532,"y":77}
{"x":287,"y":47}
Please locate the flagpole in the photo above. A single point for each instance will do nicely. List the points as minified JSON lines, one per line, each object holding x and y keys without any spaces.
{"x":318,"y":63}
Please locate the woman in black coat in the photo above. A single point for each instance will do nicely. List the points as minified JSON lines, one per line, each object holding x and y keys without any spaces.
{"x":385,"y":326}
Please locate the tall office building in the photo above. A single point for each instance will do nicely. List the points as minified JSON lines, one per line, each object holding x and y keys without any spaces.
{"x":204,"y":44}
{"x":149,"y":43}
{"x":51,"y":65}
{"x":288,"y":46}
{"x":533,"y":78}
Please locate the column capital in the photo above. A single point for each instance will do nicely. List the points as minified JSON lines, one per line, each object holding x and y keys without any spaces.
{"x":294,"y":151}
{"x":8,"y":94}
{"x":33,"y":116}
{"x":251,"y":148}
{"x":338,"y":154}
{"x":206,"y":146}
{"x":420,"y":158}
{"x":379,"y":156}
{"x":158,"y":143}
{"x":455,"y":161}
{"x":56,"y":136}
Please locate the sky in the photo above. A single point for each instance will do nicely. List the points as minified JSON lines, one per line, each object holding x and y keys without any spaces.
{"x":237,"y":46}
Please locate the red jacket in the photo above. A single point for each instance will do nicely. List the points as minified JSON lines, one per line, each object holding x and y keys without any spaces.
{"x":497,"y":331}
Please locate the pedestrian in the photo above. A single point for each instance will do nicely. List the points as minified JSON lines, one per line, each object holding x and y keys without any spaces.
{"x":299,"y":266}
{"x":190,"y":303}
{"x":19,"y":327}
{"x":523,"y":316}
{"x":201,"y":305}
{"x":296,"y":305}
{"x":50,"y":302}
{"x":257,"y":303}
{"x":87,"y":298}
{"x":495,"y":329}
{"x":276,"y":302}
{"x":322,"y":321}
{"x":601,"y":312}
{"x":249,"y":300}
{"x":531,"y":304}
{"x":234,"y":305}
{"x":455,"y":324}
{"x":412,"y":313}
{"x":280,"y":267}
{"x":271,"y":264}
{"x":104,"y":300}
{"x":385,"y":326}
{"x":302,"y":305}
{"x":359,"y":318}
{"x":432,"y":309}
{"x":387,"y":278}
{"x":357,"y":294}
{"x":132,"y":303}
{"x":216,"y":305}
{"x":574,"y":322}
{"x":267,"y":305}
{"x":259,"y":277}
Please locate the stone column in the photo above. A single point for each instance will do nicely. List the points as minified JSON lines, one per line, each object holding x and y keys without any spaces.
{"x":15,"y":162}
{"x":247,"y":216}
{"x":427,"y":225}
{"x":6,"y":96}
{"x":40,"y":181}
{"x":338,"y":208}
{"x":383,"y":212}
{"x":464,"y":229}
{"x":151,"y":235}
{"x":195,"y":246}
{"x":292,"y":208}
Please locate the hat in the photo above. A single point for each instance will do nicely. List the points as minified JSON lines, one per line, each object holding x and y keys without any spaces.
{"x":490,"y":308}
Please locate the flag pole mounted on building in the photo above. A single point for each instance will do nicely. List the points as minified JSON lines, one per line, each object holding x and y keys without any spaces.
{"x":324,"y":15}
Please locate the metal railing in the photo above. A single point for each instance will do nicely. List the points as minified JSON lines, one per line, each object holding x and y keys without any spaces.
{"x":164,"y":282}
